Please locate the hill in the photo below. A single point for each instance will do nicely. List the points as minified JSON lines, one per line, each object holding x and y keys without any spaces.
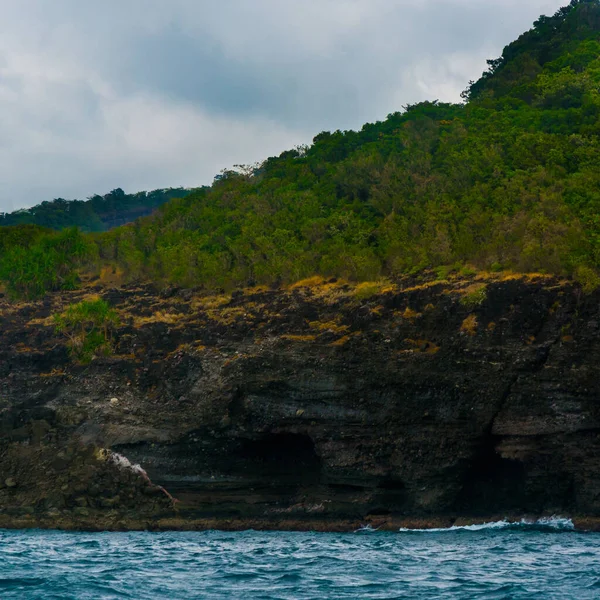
{"x":509,"y":180}
{"x":98,"y":213}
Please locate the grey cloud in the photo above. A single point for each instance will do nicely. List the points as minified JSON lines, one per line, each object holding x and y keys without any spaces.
{"x":148,"y":93}
{"x":268,"y":63}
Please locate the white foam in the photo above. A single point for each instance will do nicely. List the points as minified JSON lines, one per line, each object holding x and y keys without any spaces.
{"x":366,"y":528}
{"x":558,"y":523}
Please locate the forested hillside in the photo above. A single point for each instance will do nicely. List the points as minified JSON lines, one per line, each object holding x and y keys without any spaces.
{"x":98,"y":213}
{"x":508,"y":180}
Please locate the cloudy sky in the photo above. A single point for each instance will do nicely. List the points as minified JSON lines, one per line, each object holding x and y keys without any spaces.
{"x":141,"y":94}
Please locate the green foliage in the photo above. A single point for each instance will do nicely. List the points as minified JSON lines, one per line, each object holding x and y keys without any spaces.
{"x":443,"y":271}
{"x":88,"y":326}
{"x":21,"y":235}
{"x":588,"y":278}
{"x":32,"y":266}
{"x":564,"y":40}
{"x":508,"y":180}
{"x":474,"y":297}
{"x":367,"y":290}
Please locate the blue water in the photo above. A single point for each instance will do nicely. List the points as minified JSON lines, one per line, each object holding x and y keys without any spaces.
{"x":494,"y":562}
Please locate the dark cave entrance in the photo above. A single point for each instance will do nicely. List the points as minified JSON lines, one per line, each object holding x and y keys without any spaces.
{"x":492,"y":482}
{"x":289,"y":456}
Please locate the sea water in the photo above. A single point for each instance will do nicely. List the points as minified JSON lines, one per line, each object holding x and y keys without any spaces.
{"x":544,"y":560}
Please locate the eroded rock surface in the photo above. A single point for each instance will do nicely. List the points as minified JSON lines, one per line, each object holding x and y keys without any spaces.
{"x":323,"y":406}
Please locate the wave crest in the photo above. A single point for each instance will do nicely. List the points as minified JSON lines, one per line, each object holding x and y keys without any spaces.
{"x":545,"y":523}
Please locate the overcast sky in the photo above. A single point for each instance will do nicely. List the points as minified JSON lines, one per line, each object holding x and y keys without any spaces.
{"x":142,"y":94}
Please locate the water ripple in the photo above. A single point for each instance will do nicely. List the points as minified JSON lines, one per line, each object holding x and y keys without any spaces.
{"x":496,"y":561}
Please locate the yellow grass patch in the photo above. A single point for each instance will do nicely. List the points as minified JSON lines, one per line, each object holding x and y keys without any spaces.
{"x":367,"y":289}
{"x":331,"y":326}
{"x":425,"y":286}
{"x":341,"y":341}
{"x":257,"y":289}
{"x":54,"y":373}
{"x":409,"y":314}
{"x":110,"y":276}
{"x":46,"y":321}
{"x":159,"y":316}
{"x":210,"y":302}
{"x":299,"y":338}
{"x":309,"y":282}
{"x":469,"y":325}
{"x":321,"y":289}
{"x":377,"y":310}
{"x":229,"y":315}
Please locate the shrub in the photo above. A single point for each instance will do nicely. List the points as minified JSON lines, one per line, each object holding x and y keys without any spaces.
{"x":468,"y":271}
{"x":474,"y":296}
{"x":88,"y":327}
{"x":367,"y":290}
{"x":442,"y":272}
{"x":588,"y":278}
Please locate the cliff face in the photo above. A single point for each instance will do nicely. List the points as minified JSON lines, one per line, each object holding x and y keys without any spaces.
{"x":323,"y":406}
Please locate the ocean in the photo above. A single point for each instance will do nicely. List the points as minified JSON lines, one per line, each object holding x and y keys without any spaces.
{"x":494,"y":561}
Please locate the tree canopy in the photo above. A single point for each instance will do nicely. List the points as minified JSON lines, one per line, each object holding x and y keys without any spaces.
{"x":507,"y":180}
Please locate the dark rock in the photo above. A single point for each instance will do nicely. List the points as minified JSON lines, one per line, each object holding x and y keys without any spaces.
{"x":290,"y":409}
{"x":110,"y":502}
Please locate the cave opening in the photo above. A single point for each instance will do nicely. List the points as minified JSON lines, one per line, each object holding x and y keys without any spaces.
{"x":493,"y":482}
{"x":289,"y":455}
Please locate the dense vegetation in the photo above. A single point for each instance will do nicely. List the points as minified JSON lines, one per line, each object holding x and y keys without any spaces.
{"x":98,"y":213}
{"x":508,"y":180}
{"x":44,"y":261}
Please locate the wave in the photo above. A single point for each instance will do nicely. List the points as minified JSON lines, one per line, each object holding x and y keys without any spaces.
{"x":366,"y":529}
{"x":543,"y":524}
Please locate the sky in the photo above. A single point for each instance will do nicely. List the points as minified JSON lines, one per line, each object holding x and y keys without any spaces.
{"x":145,"y":94}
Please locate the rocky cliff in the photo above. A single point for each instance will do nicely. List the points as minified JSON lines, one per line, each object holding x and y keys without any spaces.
{"x":322,"y":406}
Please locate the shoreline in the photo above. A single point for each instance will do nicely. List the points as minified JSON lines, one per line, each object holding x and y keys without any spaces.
{"x":116,"y":524}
